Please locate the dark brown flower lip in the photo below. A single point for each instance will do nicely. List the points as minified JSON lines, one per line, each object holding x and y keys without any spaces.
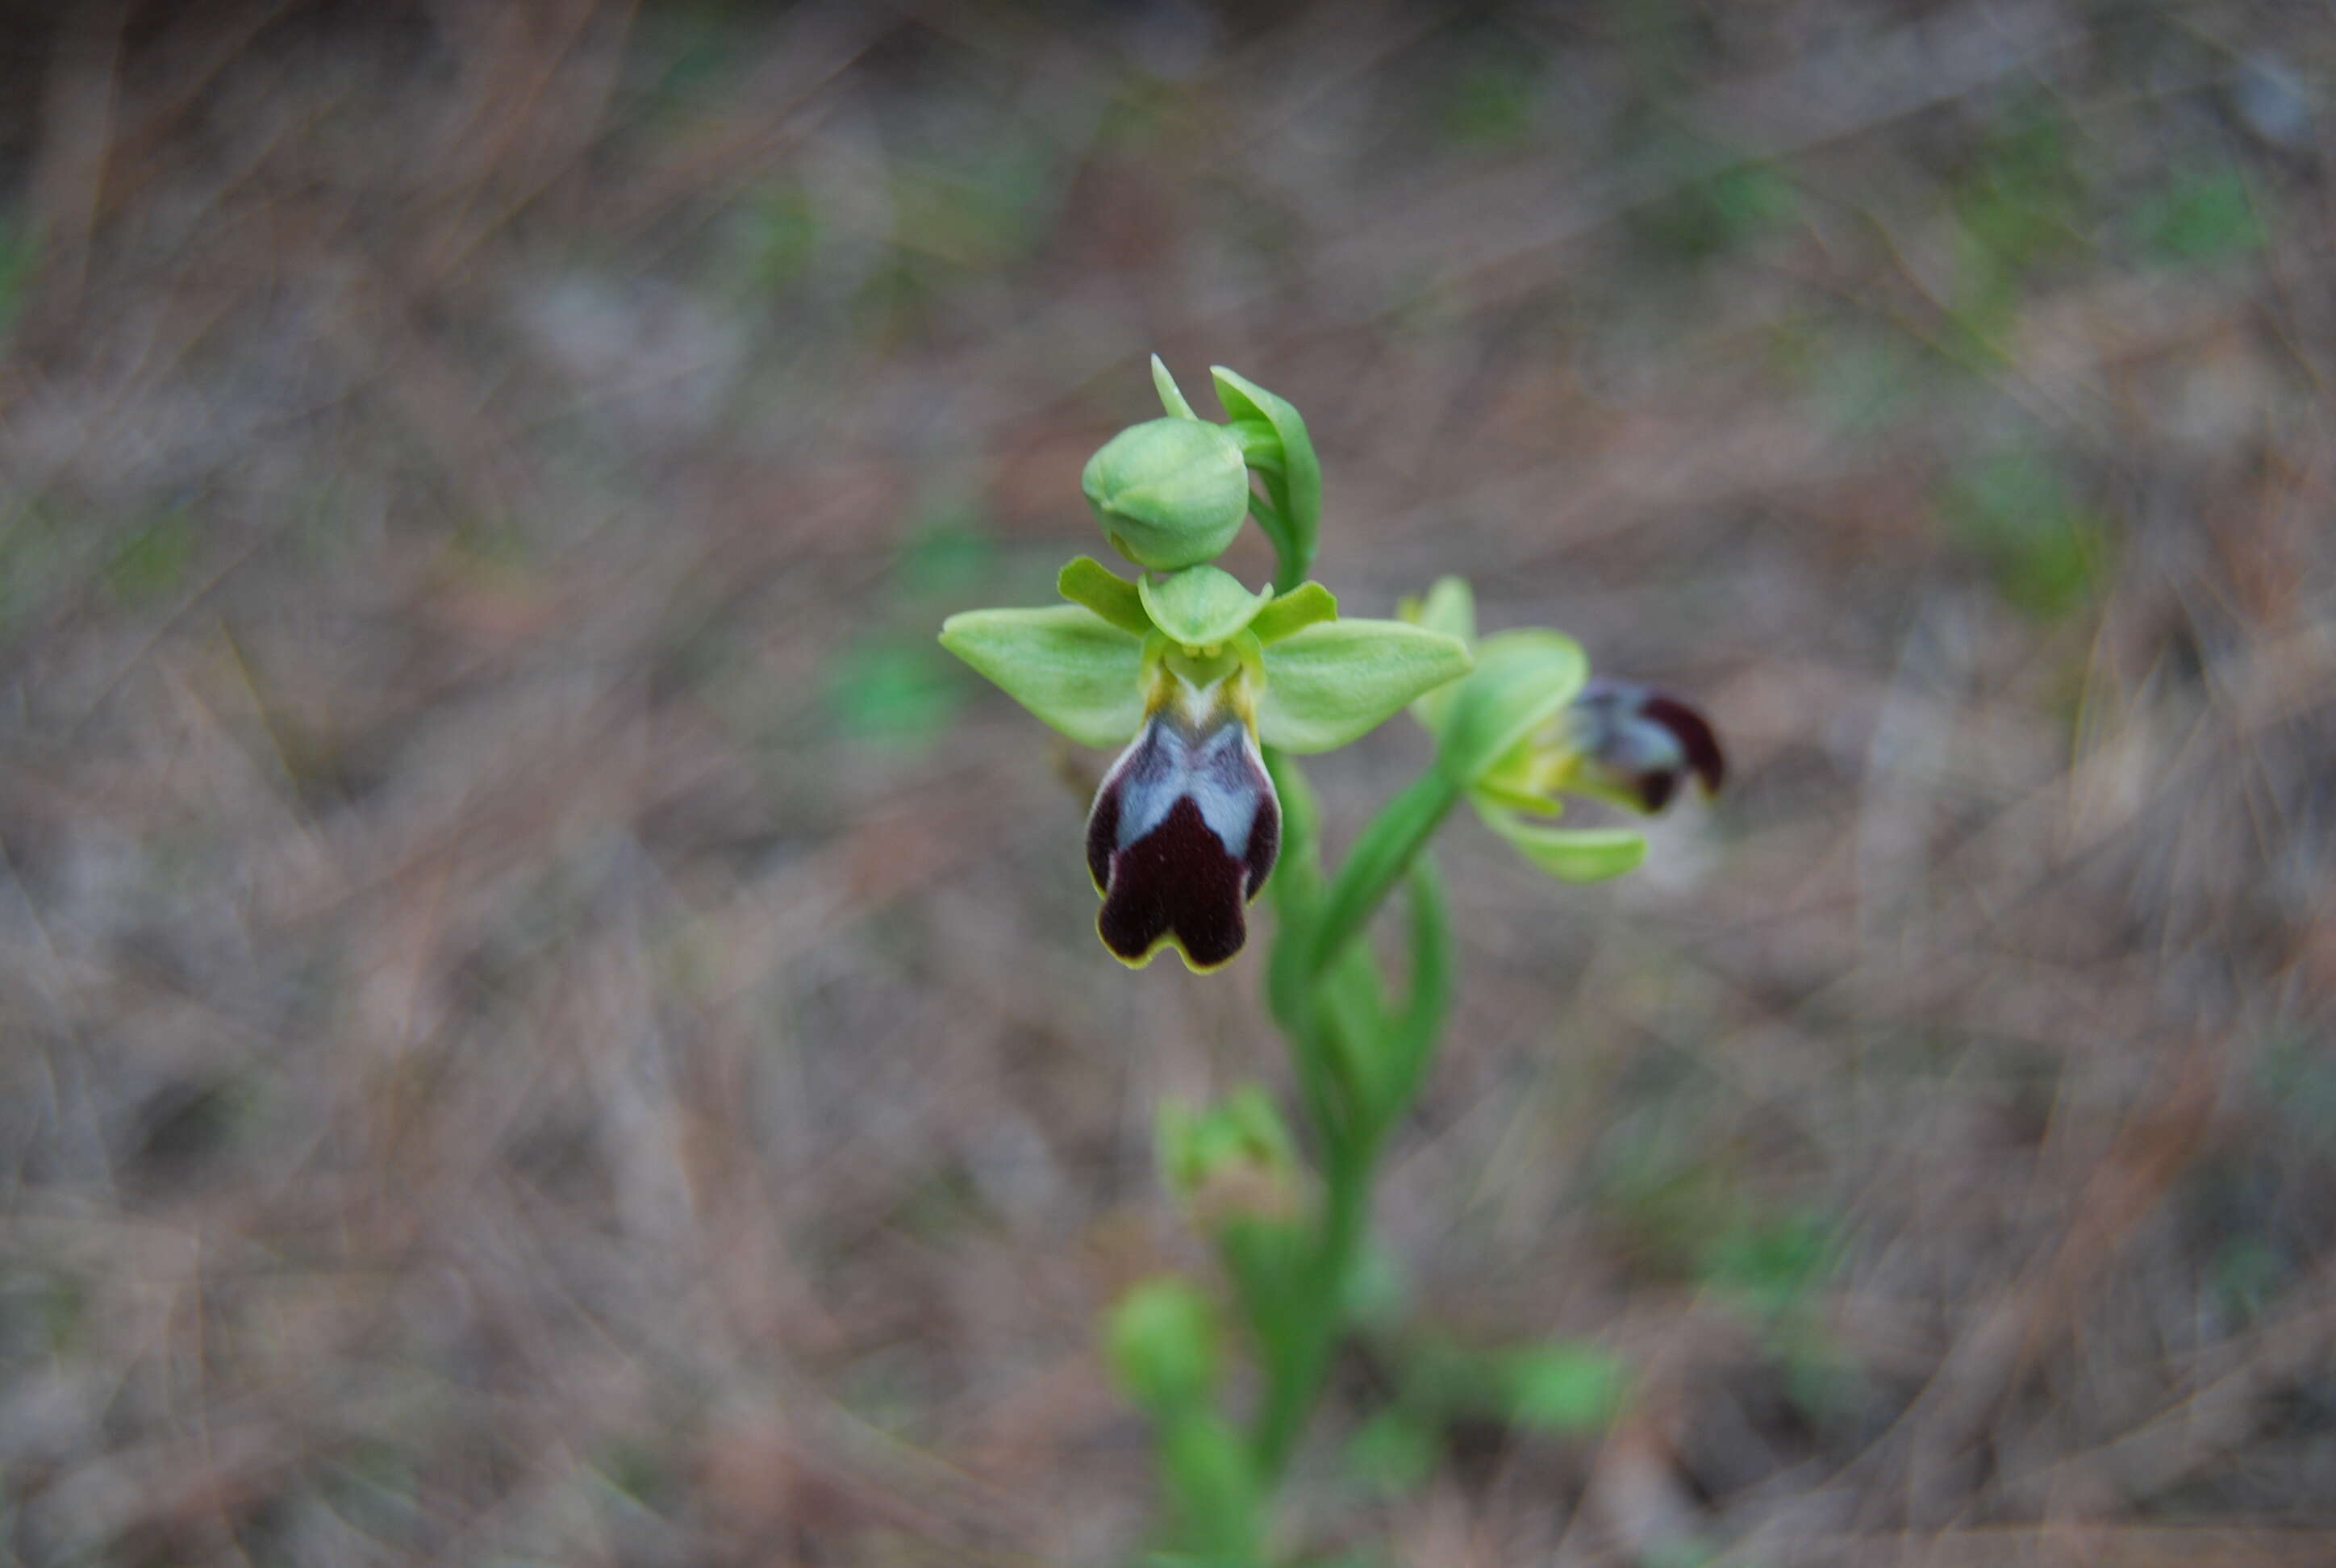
{"x":1646,"y":742}
{"x":1183,"y":834}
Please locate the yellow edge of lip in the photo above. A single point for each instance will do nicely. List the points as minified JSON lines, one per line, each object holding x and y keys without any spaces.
{"x":1166,"y":943}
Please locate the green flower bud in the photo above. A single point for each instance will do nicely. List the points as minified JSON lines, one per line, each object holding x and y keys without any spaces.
{"x":1169,"y":492}
{"x":1232,"y":1161}
{"x":1162,"y":1344}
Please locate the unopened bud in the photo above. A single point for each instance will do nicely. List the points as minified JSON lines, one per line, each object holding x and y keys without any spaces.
{"x":1162,"y":1344}
{"x":1169,"y":492}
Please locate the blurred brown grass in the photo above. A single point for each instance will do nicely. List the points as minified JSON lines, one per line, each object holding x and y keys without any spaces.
{"x":543,"y":1023}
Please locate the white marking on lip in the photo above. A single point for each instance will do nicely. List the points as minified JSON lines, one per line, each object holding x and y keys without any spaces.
{"x":1201,"y":751}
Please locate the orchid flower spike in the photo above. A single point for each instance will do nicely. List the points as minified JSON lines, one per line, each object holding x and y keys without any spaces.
{"x":1191,"y":673}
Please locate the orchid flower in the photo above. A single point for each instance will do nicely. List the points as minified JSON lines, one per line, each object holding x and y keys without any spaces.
{"x":1529,"y":727}
{"x":1192,"y":673}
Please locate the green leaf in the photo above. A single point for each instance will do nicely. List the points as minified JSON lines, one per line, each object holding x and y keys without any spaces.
{"x":1570,"y":1390}
{"x":1297,"y":489}
{"x":1219,"y":1497}
{"x":1088,"y":582}
{"x":1354,"y":1012}
{"x":1171,"y":396}
{"x":1293,"y":612}
{"x":1330,"y":683}
{"x":1201,"y":606}
{"x":1569,"y":854}
{"x":1392,"y":1453}
{"x":1411,"y":1039}
{"x":1064,"y":663}
{"x":1522,"y":680}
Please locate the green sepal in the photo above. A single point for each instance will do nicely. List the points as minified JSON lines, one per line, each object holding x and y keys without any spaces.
{"x":1332,"y":682}
{"x":1522,"y":680}
{"x":1088,"y":582}
{"x":1201,"y":606}
{"x":1311,"y":605}
{"x":1296,"y":488}
{"x":1065,"y":664}
{"x":1569,"y":854}
{"x":1449,"y":607}
{"x":1171,"y":396}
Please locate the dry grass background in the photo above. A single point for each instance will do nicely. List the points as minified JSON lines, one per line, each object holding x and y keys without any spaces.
{"x":540,"y":1022}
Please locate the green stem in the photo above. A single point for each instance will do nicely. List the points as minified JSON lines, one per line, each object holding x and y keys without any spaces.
{"x":1296,"y":899}
{"x":1294,"y":1380}
{"x":1306,"y":948}
{"x":1379,"y":860}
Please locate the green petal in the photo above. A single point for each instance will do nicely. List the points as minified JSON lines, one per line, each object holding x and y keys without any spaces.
{"x":1201,"y":606}
{"x":1330,"y":683}
{"x":1450,"y":608}
{"x":1522,"y":679}
{"x":1569,"y":854}
{"x":1293,"y":612}
{"x":1171,"y":396}
{"x":1088,"y":582}
{"x":1064,"y":663}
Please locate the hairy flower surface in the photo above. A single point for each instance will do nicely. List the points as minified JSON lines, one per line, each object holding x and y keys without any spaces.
{"x":1192,"y":673}
{"x":1183,"y":832}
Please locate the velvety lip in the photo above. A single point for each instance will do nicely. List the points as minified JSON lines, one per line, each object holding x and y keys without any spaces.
{"x":1183,"y":834}
{"x":1647,"y":741}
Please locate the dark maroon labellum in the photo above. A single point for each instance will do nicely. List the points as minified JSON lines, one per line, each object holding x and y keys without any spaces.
{"x":1183,"y":834}
{"x":1646,"y":742}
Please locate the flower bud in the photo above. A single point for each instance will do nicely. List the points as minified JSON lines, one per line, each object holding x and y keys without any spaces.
{"x":1161,"y":1345}
{"x":1232,"y":1161}
{"x":1169,"y":492}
